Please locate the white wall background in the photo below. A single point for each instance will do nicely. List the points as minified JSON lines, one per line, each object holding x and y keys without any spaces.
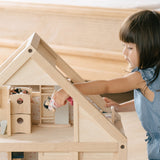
{"x":148,"y":4}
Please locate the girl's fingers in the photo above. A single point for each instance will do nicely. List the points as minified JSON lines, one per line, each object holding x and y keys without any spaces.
{"x":110,"y":102}
{"x":107,"y":99}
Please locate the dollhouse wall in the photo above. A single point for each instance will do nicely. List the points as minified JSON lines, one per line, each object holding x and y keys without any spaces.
{"x":4,"y":99}
{"x":30,"y":74}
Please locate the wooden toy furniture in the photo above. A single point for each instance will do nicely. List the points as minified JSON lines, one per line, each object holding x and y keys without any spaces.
{"x":93,"y":136}
{"x":21,"y":112}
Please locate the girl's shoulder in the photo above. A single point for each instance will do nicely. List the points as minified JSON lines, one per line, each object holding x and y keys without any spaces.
{"x":148,"y":75}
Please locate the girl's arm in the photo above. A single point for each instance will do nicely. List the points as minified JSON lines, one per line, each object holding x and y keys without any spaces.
{"x":118,"y":85}
{"x":123,"y":107}
{"x":127,"y":106}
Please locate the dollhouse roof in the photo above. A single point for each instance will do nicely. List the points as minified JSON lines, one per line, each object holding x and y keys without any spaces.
{"x":21,"y":69}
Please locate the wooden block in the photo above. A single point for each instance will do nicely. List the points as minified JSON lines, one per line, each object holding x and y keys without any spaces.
{"x":20,"y":103}
{"x":21,"y":123}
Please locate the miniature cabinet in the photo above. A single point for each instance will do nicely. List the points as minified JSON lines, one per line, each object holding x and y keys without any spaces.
{"x":93,"y":135}
{"x":21,"y":112}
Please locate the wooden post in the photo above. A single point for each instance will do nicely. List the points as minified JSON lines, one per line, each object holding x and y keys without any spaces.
{"x":76,"y":128}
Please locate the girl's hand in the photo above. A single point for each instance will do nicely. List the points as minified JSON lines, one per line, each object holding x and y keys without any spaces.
{"x":110,"y":103}
{"x":60,"y":97}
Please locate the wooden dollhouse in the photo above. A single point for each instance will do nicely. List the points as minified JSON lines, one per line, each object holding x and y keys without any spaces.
{"x":90,"y":134}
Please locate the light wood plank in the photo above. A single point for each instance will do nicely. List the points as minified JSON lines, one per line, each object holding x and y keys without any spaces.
{"x":76,"y":121}
{"x":59,"y":147}
{"x":14,"y":65}
{"x":5,"y":107}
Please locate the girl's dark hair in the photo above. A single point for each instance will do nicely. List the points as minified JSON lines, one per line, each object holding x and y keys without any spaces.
{"x":143,"y":29}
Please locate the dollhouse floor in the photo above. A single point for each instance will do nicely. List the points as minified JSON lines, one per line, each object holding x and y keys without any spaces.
{"x":38,"y":140}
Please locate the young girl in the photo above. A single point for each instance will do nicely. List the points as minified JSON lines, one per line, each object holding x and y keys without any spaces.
{"x":140,"y":34}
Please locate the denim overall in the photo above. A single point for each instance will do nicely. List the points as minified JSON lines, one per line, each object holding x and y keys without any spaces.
{"x":149,"y":112}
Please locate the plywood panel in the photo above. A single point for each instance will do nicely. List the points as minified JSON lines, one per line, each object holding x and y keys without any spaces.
{"x":90,"y":131}
{"x":30,"y":74}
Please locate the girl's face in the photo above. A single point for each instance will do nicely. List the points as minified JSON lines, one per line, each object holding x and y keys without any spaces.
{"x":130,"y":54}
